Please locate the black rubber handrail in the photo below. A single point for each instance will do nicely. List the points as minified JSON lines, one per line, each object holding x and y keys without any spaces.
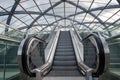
{"x":88,"y":37}
{"x":24,"y":56}
{"x":101,"y":54}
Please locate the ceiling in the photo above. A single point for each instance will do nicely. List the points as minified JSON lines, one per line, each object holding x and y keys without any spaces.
{"x":101,"y":15}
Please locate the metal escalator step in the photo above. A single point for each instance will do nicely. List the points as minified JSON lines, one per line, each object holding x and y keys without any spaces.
{"x":64,"y":63}
{"x":64,"y":53}
{"x":59,"y":68}
{"x":64,"y":44}
{"x":65,"y":50}
{"x":65,"y":38}
{"x":64,"y":73}
{"x":65,"y":47}
{"x":64,"y":58}
{"x":68,"y":41}
{"x":65,"y":41}
{"x":64,"y":78}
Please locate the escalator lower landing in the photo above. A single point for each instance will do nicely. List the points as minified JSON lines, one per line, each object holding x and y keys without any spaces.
{"x":64,"y":60}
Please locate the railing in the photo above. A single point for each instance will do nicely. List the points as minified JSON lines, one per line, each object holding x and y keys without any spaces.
{"x":8,"y":60}
{"x":30,"y":49}
{"x":9,"y":41}
{"x":114,"y":45}
{"x":80,"y":39}
{"x":50,"y":51}
{"x":79,"y":55}
{"x":29,"y":52}
{"x":9,"y":32}
{"x":102,"y":53}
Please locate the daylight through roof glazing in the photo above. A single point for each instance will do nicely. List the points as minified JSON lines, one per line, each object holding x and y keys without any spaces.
{"x":91,"y":15}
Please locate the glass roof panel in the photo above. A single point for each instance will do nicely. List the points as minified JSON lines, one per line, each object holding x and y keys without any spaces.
{"x":50,"y":19}
{"x":3,"y":18}
{"x":7,"y":4}
{"x":96,"y":15}
{"x":69,"y":9}
{"x":112,"y":15}
{"x":59,"y":10}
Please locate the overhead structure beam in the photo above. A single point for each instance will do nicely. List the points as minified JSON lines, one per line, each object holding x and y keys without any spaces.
{"x":12,"y":11}
{"x":100,"y":13}
{"x":56,"y":4}
{"x":48,"y":14}
{"x":118,"y":1}
{"x":32,"y":12}
{"x":64,"y":14}
{"x":53,"y":10}
{"x":112,"y":23}
{"x":14,"y":16}
{"x":99,"y":8}
{"x":29,"y":14}
{"x":38,"y":13}
{"x":61,"y":18}
{"x":108,"y":18}
{"x":75,"y":11}
{"x":82,"y":8}
{"x":87,"y":12}
{"x":24,"y":27}
{"x":108,"y":7}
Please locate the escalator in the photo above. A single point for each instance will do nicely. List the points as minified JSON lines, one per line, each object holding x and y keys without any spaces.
{"x":64,"y":63}
{"x":96,"y":53}
{"x":66,"y":56}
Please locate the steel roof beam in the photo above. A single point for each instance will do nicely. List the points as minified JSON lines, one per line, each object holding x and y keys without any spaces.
{"x":82,"y":8}
{"x":24,"y":27}
{"x":112,"y":23}
{"x":56,"y":22}
{"x":47,"y":10}
{"x":118,"y":1}
{"x":38,"y":13}
{"x":12,"y":11}
{"x":60,"y":20}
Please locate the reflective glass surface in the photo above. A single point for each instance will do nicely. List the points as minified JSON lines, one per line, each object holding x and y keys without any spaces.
{"x":8,"y":59}
{"x":96,"y":14}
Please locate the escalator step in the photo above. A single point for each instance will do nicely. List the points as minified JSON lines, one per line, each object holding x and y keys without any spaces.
{"x":64,"y":44}
{"x":64,"y":50}
{"x":64,"y":73}
{"x":64,"y":53}
{"x":64,"y":58}
{"x":59,"y":68}
{"x":68,"y":41}
{"x":65,"y":47}
{"x":64,"y":63}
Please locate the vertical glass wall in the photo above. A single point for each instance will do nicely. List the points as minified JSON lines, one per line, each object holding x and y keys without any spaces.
{"x":8,"y":59}
{"x":114,"y":46}
{"x":7,"y":32}
{"x":9,"y":41}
